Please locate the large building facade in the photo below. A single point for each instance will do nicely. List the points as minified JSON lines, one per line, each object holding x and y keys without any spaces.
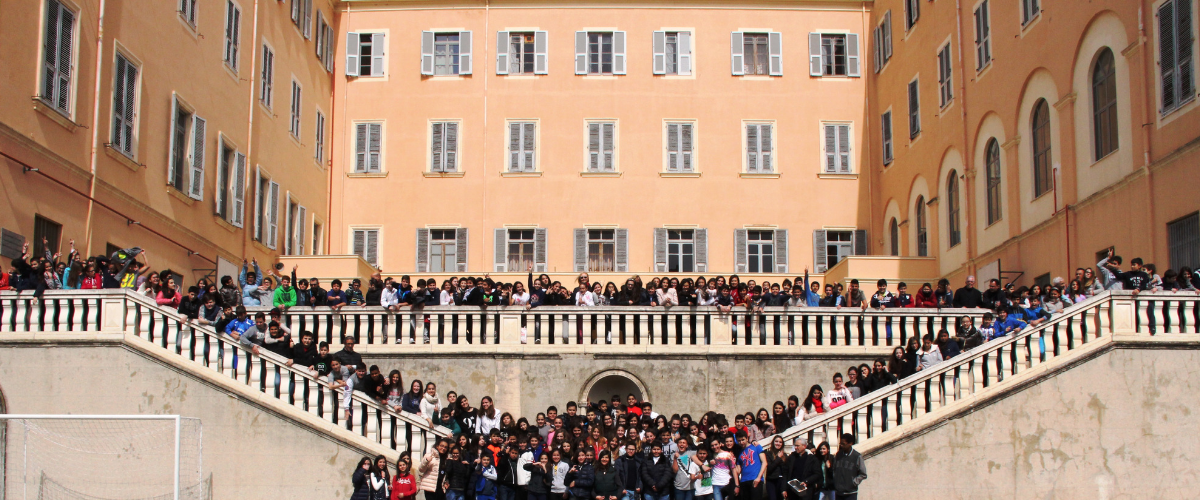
{"x":715,"y":137}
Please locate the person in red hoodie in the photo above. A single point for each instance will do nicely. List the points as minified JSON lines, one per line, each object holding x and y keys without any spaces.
{"x":925,"y":297}
{"x":404,"y":485}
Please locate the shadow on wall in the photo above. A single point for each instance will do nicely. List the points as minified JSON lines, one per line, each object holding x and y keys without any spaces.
{"x":607,"y":386}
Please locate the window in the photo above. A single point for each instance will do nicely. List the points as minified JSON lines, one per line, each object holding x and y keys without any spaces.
{"x":681,"y":251}
{"x":237,"y":187}
{"x":295,"y":124}
{"x":1029,"y":10}
{"x":124,"y":105}
{"x":59,"y":57}
{"x":293,"y":220}
{"x":757,"y":54}
{"x":316,"y":238}
{"x":302,"y":16}
{"x":837,"y":148}
{"x":952,"y":208}
{"x":601,"y":250}
{"x":526,"y":54}
{"x":187,"y":11}
{"x":992,"y":155}
{"x":319,"y":150}
{"x":1104,"y":104}
{"x":366,"y":245}
{"x":945,"y":74}
{"x":672,"y":53}
{"x":602,"y":155}
{"x":760,"y":53}
{"x":445,"y":54}
{"x":226,"y":162}
{"x":266,"y":210}
{"x":679,"y":147}
{"x":912,"y":12}
{"x":894,"y":237}
{"x":368,"y":141}
{"x":838,"y":246}
{"x":522,"y":147}
{"x":443,"y":147}
{"x":233,"y":26}
{"x":443,"y":250}
{"x":833,"y":54}
{"x":186,"y":172}
{"x":49,"y":230}
{"x":1183,"y":242}
{"x":760,"y":251}
{"x":324,"y":45}
{"x":520,"y":249}
{"x":886,"y":131}
{"x":983,"y":36}
{"x":759,"y":148}
{"x":883,"y":42}
{"x":364,"y":54}
{"x":600,"y":53}
{"x":1043,"y":175}
{"x":922,"y":228}
{"x":268,"y":76}
{"x":914,"y":109}
{"x":1176,"y":68}
{"x":297,"y":222}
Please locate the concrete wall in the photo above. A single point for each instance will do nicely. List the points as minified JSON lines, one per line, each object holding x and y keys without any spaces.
{"x":251,"y":451}
{"x":1118,"y":425}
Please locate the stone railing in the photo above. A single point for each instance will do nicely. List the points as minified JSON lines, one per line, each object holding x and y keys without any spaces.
{"x":898,"y":409}
{"x":126,"y":312}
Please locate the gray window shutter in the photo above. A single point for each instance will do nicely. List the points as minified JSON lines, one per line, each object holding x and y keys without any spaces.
{"x":301,"y":221}
{"x":781,"y":250}
{"x":541,"y":61}
{"x":685,"y":53}
{"x":887,"y":35}
{"x":174,"y":124}
{"x":843,"y":149}
{"x":660,"y":52}
{"x":196,"y":186}
{"x":378,"y":49}
{"x":460,"y":249}
{"x":618,"y":52}
{"x":609,"y":147}
{"x":736,"y":50}
{"x":374,"y":145}
{"x":701,"y":241}
{"x":581,"y":66}
{"x":360,"y":147}
{"x":502,"y":52}
{"x":660,"y":250}
{"x":435,"y":154}
{"x":594,"y":147}
{"x":580,"y":250}
{"x":258,"y":204}
{"x":820,"y":251}
{"x":814,"y":55}
{"x":352,"y":48}
{"x":766,"y":147}
{"x":739,"y":250}
{"x":452,"y":147}
{"x":775,"y":47}
{"x":426,"y":52}
{"x":239,"y":192}
{"x":621,"y":250}
{"x":860,"y":242}
{"x":539,"y":250}
{"x":514,"y":147}
{"x":830,"y":148}
{"x":308,"y":10}
{"x":273,"y":218}
{"x":464,"y":52}
{"x":852,"y":54}
{"x":422,"y":250}
{"x":501,"y":247}
{"x":529,"y":147}
{"x":373,"y":247}
{"x":360,"y":243}
{"x":877,"y":47}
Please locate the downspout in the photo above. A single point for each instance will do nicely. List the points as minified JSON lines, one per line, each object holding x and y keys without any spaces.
{"x":250,"y":120}
{"x":487,"y":19}
{"x":1148,"y":120}
{"x":87,"y":231}
{"x":969,"y":223}
{"x":866,"y":133}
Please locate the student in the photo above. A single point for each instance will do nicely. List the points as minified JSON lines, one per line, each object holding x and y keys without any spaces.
{"x":656,"y":474}
{"x":404,"y":485}
{"x":360,"y":480}
{"x":883,"y":298}
{"x":839,"y":395}
{"x":457,"y":474}
{"x":432,"y":473}
{"x":752,"y":462}
{"x":724,"y":472}
{"x":582,"y":476}
{"x":335,"y":298}
{"x":776,"y":469}
{"x":609,"y":484}
{"x":849,"y":469}
{"x":685,"y":469}
{"x":629,"y":466}
{"x":485,"y":479}
{"x":559,"y":469}
{"x":1006,"y":324}
{"x":929,"y":354}
{"x":825,"y":479}
{"x":540,"y":472}
{"x":380,"y":480}
{"x":702,"y":483}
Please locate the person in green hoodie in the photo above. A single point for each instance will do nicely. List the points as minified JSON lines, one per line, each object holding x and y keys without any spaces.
{"x":285,"y":295}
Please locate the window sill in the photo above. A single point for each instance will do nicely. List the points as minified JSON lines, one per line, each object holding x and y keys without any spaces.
{"x":54,"y":115}
{"x":261,"y":247}
{"x":121,"y":158}
{"x":364,"y":175}
{"x":674,"y":76}
{"x":232,"y":72}
{"x":180,"y":196}
{"x":984,"y":70}
{"x":993,"y":223}
{"x":521,"y":76}
{"x":749,"y":175}
{"x":758,"y":77}
{"x":847,"y":177}
{"x":600,"y":174}
{"x":443,"y":174}
{"x":944,"y":110}
{"x":520,"y":174}
{"x":600,"y":77}
{"x":445,"y":77}
{"x":679,"y":174}
{"x":1028,"y":25}
{"x":224,"y":223}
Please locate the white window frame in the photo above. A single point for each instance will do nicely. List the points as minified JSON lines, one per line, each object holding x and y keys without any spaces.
{"x":223,"y":194}
{"x":839,"y":246}
{"x":378,"y":230}
{"x":296,"y":221}
{"x":517,"y":266}
{"x":296,"y":108}
{"x":120,"y":54}
{"x":843,"y":160}
{"x":376,"y":41}
{"x":267,"y":75}
{"x":319,"y":138}
{"x":600,"y":241}
{"x":444,"y":164}
{"x":829,"y":59}
{"x":772,"y":158}
{"x":187,"y":12}
{"x":683,"y":156}
{"x":600,"y":151}
{"x":364,"y":148}
{"x":679,"y":253}
{"x":526,"y":157}
{"x":451,"y":243}
{"x":912,"y":14}
{"x":233,"y":35}
{"x":945,"y":65}
{"x":508,"y":59}
{"x":266,"y":212}
{"x":677,"y":62}
{"x":302,"y":15}
{"x":1030,"y":10}
{"x":190,"y":162}
{"x":63,"y":104}
{"x":983,"y":35}
{"x":888,"y":132}
{"x":760,"y":257}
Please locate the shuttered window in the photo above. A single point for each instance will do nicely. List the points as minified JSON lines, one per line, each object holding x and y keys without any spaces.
{"x":760,"y":251}
{"x":226,"y":160}
{"x":601,"y":250}
{"x":760,"y":148}
{"x":447,"y":53}
{"x":268,"y":76}
{"x":680,"y":145}
{"x":756,"y":53}
{"x":983,"y":35}
{"x":295,"y":109}
{"x":883,"y":42}
{"x":443,"y":250}
{"x":1175,"y":57}
{"x":522,"y":147}
{"x":319,"y":147}
{"x":324,"y":42}
{"x":233,"y":26}
{"x":945,"y":76}
{"x":444,"y":147}
{"x":893,"y":238}
{"x":1043,"y":173}
{"x":124,"y":110}
{"x":522,"y":53}
{"x":187,"y":11}
{"x":1030,"y":10}
{"x":1104,"y":105}
{"x":58,"y":50}
{"x":602,"y":147}
{"x":366,"y":245}
{"x":238,"y":183}
{"x":302,"y":11}
{"x":886,"y":132}
{"x":368,"y":140}
{"x":181,"y":138}
{"x":833,"y":54}
{"x":922,"y":224}
{"x":672,"y":52}
{"x":836,"y":145}
{"x":992,"y":155}
{"x":520,"y":243}
{"x":912,"y":12}
{"x":1183,"y":242}
{"x":953,"y":206}
{"x":914,"y":109}
{"x":365,"y":54}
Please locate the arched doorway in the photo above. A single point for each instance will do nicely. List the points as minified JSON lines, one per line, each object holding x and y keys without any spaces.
{"x":603,"y":385}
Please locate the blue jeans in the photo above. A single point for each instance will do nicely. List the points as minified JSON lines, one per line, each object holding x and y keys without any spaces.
{"x":717,"y":495}
{"x":454,"y":495}
{"x":828,"y":495}
{"x":629,"y":495}
{"x":505,"y":493}
{"x":652,"y":496}
{"x":685,"y":494}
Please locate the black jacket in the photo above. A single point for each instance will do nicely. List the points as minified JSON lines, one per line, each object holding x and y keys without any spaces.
{"x":347,"y":358}
{"x":776,"y":467}
{"x":539,"y":480}
{"x":584,"y":477}
{"x":318,"y":297}
{"x":609,"y":482}
{"x":630,"y":469}
{"x":803,"y":466}
{"x":361,"y":484}
{"x":968,"y":297}
{"x":506,"y":471}
{"x":458,"y":474}
{"x":657,"y":477}
{"x":304,"y":357}
{"x":189,"y":307}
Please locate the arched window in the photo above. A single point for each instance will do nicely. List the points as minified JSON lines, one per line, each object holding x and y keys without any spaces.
{"x":922,"y":228}
{"x":1104,"y":104}
{"x":1043,"y":176}
{"x":952,"y":208}
{"x":992,"y":153}
{"x":894,"y":234}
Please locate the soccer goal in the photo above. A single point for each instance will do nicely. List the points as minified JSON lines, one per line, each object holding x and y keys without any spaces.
{"x":101,"y":457}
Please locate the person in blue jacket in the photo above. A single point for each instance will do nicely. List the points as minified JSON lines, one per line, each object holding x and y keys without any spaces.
{"x":1006,"y":324}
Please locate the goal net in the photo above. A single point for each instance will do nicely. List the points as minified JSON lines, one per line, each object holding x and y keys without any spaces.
{"x":101,"y":457}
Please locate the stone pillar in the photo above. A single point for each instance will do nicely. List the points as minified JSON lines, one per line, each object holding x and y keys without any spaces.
{"x":112,"y":319}
{"x":508,"y":381}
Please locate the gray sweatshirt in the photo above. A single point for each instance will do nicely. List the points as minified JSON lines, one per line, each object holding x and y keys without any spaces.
{"x":849,"y":471}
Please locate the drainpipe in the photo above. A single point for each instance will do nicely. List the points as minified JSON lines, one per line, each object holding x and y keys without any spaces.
{"x":969,"y":223}
{"x":1148,"y":120}
{"x":250,"y":121}
{"x":87,"y":231}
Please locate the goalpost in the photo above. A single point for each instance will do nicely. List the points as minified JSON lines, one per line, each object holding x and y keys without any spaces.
{"x":101,"y":457}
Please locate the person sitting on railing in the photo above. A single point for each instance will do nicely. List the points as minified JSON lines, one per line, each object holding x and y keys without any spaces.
{"x":1005,"y":324}
{"x":883,"y":298}
{"x":929,"y":354}
{"x":948,"y":346}
{"x":190,"y":305}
